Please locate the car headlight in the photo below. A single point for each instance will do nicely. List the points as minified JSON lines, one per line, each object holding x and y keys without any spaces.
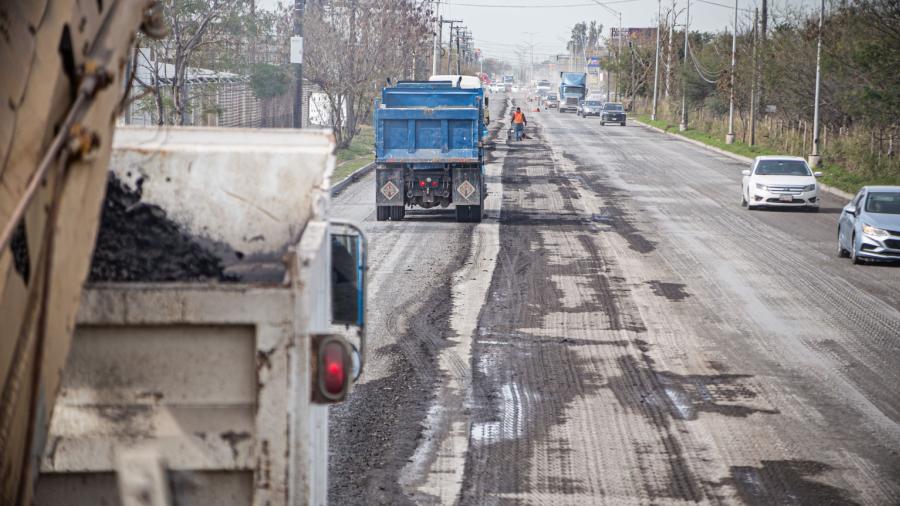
{"x":760,"y":186}
{"x":809,"y":187}
{"x":875,"y":232}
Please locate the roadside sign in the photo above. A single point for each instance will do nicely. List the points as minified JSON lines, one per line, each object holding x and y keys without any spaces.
{"x":296,"y":49}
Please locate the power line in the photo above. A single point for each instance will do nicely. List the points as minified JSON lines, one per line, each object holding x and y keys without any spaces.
{"x":729,"y":7}
{"x":695,"y":63}
{"x":546,"y":6}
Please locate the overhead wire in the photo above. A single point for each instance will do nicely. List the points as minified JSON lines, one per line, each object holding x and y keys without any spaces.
{"x":725,"y":6}
{"x":697,"y":66}
{"x":544,"y":6}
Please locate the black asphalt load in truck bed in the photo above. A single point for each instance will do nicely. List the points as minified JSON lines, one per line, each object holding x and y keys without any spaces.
{"x":137,"y":242}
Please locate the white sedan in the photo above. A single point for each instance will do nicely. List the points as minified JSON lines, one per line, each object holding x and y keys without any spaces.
{"x":780,"y":181}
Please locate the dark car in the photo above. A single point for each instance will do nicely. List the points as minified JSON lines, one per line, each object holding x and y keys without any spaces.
{"x":612,"y":113}
{"x":589,"y":108}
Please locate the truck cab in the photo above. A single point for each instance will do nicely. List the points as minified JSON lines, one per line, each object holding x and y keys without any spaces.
{"x":572,"y":90}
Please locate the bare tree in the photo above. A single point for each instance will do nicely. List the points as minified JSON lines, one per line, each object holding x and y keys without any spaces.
{"x":354,"y":46}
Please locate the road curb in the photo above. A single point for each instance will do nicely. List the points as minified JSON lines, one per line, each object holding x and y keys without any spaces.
{"x":824,"y":187}
{"x":350,"y":179}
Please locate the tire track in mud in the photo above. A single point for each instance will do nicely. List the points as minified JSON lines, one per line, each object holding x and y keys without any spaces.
{"x":562,"y":406}
{"x":533,"y":376}
{"x":789,"y":480}
{"x":375,"y":432}
{"x":511,"y":367}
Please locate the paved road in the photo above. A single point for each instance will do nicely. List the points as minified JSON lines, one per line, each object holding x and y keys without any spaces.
{"x":620,"y":331}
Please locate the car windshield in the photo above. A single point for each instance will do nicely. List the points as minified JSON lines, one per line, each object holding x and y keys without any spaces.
{"x":551,"y":97}
{"x":883,"y":203}
{"x":592,"y":103}
{"x":612,"y":107}
{"x":782,"y":168}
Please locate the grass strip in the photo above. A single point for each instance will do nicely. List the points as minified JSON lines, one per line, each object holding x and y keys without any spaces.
{"x":832,"y":174}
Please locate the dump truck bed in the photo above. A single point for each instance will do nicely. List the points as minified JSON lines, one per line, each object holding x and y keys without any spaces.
{"x":420,"y":123}
{"x":212,"y":376}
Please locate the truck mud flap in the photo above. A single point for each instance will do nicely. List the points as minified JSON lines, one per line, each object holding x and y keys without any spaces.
{"x":468,"y":186}
{"x":389,"y":186}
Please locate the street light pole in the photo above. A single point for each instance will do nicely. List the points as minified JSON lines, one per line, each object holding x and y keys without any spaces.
{"x":656,"y":60}
{"x":687,"y":23}
{"x":815,"y":159}
{"x":729,"y":138}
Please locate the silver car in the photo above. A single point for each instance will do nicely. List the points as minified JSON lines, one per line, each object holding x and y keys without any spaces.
{"x":589,"y":108}
{"x":869,"y":226}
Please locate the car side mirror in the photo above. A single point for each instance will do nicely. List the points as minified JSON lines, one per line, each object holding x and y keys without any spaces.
{"x":817,"y":174}
{"x":851,"y":209}
{"x":348,"y":283}
{"x":745,"y":172}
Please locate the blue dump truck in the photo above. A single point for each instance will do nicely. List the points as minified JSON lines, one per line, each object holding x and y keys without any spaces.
{"x":572,"y":90}
{"x":429,"y":148}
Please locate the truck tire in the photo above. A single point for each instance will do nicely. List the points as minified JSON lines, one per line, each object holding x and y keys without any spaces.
{"x":396,"y":213}
{"x":382,"y":213}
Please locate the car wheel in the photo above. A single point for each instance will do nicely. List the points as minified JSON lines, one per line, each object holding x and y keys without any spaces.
{"x":842,"y":253}
{"x":854,"y":257}
{"x":622,"y":123}
{"x":743,"y":199}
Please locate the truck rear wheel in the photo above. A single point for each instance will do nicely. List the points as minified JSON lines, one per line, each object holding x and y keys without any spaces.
{"x":397,"y":213}
{"x":382,"y":213}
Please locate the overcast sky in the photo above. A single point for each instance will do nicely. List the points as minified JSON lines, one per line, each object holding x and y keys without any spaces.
{"x":499,"y":26}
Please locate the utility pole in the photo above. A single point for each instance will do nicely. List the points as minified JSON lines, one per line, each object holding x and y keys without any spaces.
{"x":633,"y":76}
{"x":438,"y":28}
{"x":687,"y":23}
{"x":450,"y":41}
{"x":815,"y":158}
{"x":753,"y":96}
{"x":619,"y":61}
{"x":656,"y":59}
{"x":450,"y":49}
{"x":618,"y":52}
{"x":729,"y":137}
{"x":297,"y":60}
{"x":671,"y":51}
{"x":458,"y":54}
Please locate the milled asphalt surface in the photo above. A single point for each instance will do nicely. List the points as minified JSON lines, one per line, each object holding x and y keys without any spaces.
{"x":619,"y":331}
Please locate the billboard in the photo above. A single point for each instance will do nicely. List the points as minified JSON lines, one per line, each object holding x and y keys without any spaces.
{"x":633,"y":34}
{"x":593,"y":62}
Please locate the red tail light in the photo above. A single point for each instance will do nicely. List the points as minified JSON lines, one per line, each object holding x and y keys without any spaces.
{"x":434,"y":184}
{"x":333,"y":363}
{"x":335,"y":374}
{"x":422,"y":183}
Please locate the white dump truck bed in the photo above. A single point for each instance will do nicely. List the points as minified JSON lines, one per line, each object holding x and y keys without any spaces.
{"x":213,"y":378}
